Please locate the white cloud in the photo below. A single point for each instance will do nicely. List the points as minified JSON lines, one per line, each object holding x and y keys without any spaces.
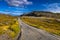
{"x":12,"y":13}
{"x":4,"y":12}
{"x":54,"y":7}
{"x":18,"y":2}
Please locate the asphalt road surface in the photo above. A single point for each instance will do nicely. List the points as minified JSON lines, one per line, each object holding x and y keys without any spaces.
{"x":31,"y":33}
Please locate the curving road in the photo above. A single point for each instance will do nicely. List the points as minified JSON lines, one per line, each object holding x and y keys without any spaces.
{"x":31,"y":33}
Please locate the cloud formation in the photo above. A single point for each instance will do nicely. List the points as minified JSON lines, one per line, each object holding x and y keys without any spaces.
{"x":11,"y":13}
{"x":54,"y":7}
{"x":18,"y":2}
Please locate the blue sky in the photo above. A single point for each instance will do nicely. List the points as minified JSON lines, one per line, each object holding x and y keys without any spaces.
{"x":18,"y":7}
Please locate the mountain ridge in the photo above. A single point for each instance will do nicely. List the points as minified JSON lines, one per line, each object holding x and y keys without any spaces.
{"x":42,"y":14}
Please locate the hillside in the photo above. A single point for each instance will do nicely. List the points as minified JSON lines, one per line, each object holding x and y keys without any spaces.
{"x":47,"y":21}
{"x":9,"y":27}
{"x":42,"y":14}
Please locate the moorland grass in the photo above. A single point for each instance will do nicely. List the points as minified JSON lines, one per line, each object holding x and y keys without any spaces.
{"x":9,"y":25}
{"x":51,"y":25}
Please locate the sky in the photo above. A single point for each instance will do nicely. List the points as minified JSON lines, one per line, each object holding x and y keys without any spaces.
{"x":18,"y":7}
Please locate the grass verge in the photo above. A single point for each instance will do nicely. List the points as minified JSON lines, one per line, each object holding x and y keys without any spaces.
{"x":51,"y":25}
{"x":9,"y":26}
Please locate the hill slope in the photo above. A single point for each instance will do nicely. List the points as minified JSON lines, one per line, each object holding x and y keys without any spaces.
{"x":47,"y":21}
{"x":42,"y":14}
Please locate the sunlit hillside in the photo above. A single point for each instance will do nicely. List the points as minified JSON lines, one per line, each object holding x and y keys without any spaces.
{"x":43,"y":20}
{"x":42,"y":14}
{"x":8,"y":26}
{"x":51,"y":25}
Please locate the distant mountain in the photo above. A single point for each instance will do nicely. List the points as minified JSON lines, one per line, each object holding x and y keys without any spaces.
{"x":42,"y":14}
